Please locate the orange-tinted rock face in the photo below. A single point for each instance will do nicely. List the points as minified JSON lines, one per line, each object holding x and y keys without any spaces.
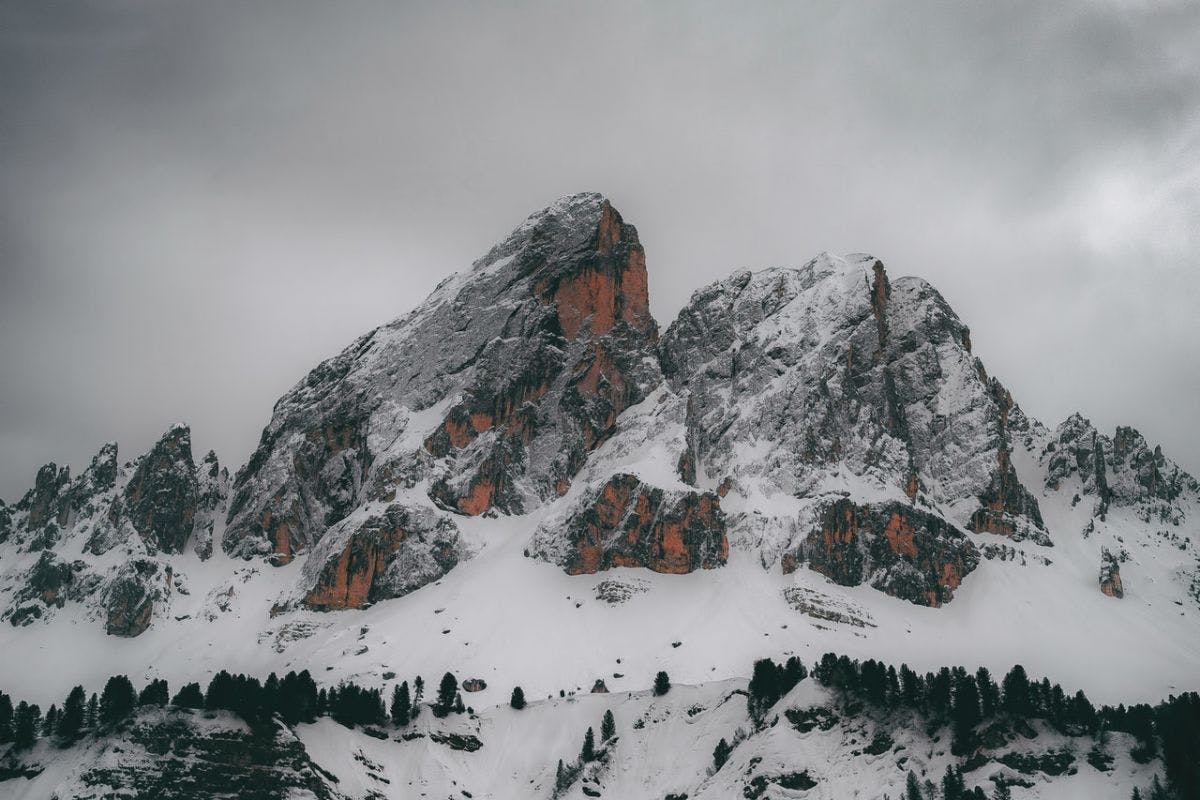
{"x":614,"y":288}
{"x":609,"y":231}
{"x":478,"y":499}
{"x":635,"y":295}
{"x":1005,"y":500}
{"x":590,"y":295}
{"x":358,"y":573}
{"x":904,"y":552}
{"x":283,"y":542}
{"x":599,"y":299}
{"x":280,"y":529}
{"x":881,"y":292}
{"x":347,"y":582}
{"x":1110,"y":575}
{"x":630,"y":524}
{"x":900,"y":536}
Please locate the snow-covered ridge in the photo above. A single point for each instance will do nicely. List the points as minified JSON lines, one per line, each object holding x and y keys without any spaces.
{"x":411,"y":475}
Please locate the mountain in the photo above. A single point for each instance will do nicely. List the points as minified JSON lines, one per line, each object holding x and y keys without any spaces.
{"x":523,"y":481}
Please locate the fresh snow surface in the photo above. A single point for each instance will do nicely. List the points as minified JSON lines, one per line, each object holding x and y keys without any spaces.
{"x":663,"y":745}
{"x":513,"y":620}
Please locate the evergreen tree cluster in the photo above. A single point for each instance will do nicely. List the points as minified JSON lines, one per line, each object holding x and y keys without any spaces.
{"x":769,"y":682}
{"x":951,"y":696}
{"x":964,"y":700}
{"x":24,"y":724}
{"x":449,"y":698}
{"x":351,"y":704}
{"x":294,"y":699}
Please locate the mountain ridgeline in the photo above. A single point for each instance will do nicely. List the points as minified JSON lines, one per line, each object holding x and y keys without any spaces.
{"x":829,"y":418}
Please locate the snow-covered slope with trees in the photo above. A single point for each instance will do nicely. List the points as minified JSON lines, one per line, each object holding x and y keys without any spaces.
{"x":522,"y":481}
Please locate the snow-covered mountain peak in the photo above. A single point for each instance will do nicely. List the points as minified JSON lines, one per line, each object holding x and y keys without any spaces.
{"x":521,"y":480}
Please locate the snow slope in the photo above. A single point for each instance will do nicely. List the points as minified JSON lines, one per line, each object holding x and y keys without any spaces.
{"x":782,"y":392}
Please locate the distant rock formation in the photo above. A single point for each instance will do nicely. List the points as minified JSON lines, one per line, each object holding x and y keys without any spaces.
{"x":899,"y":550}
{"x":1110,"y":575}
{"x":387,"y":555}
{"x":628,"y":523}
{"x":493,"y":391}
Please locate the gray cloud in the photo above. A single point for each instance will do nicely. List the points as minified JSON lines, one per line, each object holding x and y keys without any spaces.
{"x":200,"y":201}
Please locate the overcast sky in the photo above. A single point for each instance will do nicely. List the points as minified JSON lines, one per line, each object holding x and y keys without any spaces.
{"x":200,"y":201}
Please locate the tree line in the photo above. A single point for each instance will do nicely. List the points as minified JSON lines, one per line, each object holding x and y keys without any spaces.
{"x":951,"y":696}
{"x":965,"y":701}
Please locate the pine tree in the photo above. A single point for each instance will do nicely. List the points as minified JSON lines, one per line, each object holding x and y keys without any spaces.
{"x":662,"y":683}
{"x":721,"y":754}
{"x":765,"y":689}
{"x":458,"y":703}
{"x":965,"y":714}
{"x":25,"y":725}
{"x":518,"y":698}
{"x":220,"y":692}
{"x":189,"y":696}
{"x":912,"y":787}
{"x":93,"y":711}
{"x":588,"y":753}
{"x":70,"y":721}
{"x":401,"y":705}
{"x":953,"y":785}
{"x":989,"y":693}
{"x":911,"y":689}
{"x":1017,"y":699}
{"x":117,"y":701}
{"x":1002,"y":792}
{"x":50,"y":721}
{"x":795,"y":672}
{"x":560,"y":777}
{"x":1137,"y":794}
{"x":447,"y":689}
{"x":155,"y":694}
{"x":6,"y":718}
{"x":608,"y":726}
{"x":1157,"y":792}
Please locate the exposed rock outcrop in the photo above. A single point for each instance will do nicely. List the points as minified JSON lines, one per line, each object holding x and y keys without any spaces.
{"x":130,"y":595}
{"x":1121,"y":470}
{"x":387,"y":555}
{"x":494,"y":389}
{"x":1007,"y":507}
{"x":162,"y":494}
{"x":897,"y":549}
{"x":177,"y":754}
{"x":212,"y":498}
{"x":538,"y":377}
{"x":628,"y":523}
{"x":835,"y":372}
{"x":49,"y":584}
{"x":42,"y":503}
{"x":1110,"y":575}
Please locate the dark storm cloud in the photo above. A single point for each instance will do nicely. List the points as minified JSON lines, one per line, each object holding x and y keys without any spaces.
{"x":199,"y":201}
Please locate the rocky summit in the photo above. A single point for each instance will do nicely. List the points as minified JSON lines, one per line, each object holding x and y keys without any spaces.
{"x":524,"y":481}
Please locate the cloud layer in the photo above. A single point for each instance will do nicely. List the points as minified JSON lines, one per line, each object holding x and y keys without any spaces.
{"x":203,"y":200}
